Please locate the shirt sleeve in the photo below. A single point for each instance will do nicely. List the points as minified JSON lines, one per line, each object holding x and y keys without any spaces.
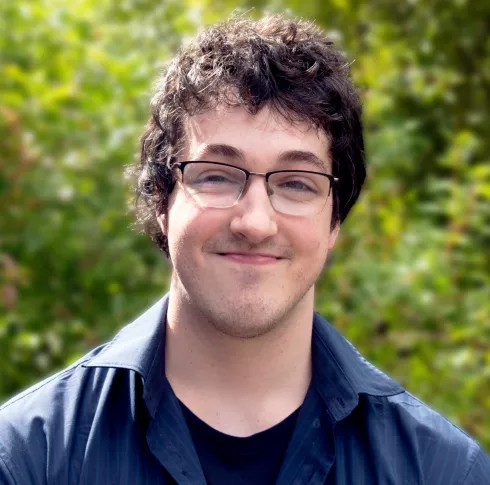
{"x":479,"y":473}
{"x":17,"y":457}
{"x":6,"y":477}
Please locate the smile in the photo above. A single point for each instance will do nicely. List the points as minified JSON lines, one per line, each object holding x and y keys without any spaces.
{"x":249,"y":258}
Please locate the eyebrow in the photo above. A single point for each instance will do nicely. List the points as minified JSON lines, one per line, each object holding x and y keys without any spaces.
{"x":290,"y":156}
{"x":221,"y":150}
{"x":303,"y":156}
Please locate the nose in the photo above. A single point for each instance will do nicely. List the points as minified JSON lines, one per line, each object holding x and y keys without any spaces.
{"x":255,"y":218}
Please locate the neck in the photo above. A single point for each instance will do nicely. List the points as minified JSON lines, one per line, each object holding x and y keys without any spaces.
{"x":238,"y":385}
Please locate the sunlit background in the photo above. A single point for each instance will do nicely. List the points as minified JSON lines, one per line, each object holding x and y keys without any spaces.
{"x":409,"y":283}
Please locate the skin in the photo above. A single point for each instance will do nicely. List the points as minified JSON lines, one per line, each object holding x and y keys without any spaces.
{"x":239,"y":323}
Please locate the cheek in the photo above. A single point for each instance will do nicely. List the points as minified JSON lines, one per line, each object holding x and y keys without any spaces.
{"x":182,"y":218}
{"x":311,"y":239}
{"x":190,"y":226}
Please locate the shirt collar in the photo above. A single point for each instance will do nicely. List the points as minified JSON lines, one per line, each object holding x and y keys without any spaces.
{"x":340,"y":373}
{"x":140,"y":347}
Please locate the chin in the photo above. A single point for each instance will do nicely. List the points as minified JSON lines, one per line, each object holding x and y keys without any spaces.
{"x":246,"y":318}
{"x":243,"y":330}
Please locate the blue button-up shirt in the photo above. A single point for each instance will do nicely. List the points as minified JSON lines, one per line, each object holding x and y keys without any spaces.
{"x":112,"y":418}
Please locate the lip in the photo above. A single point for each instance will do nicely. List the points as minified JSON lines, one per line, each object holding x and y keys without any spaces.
{"x":250,"y":258}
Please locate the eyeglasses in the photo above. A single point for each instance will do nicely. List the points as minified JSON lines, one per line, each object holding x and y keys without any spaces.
{"x":220,"y":186}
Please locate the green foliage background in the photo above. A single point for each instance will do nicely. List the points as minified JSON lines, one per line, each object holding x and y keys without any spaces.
{"x":409,"y":283}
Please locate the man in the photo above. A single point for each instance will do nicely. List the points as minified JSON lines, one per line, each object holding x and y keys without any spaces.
{"x":252,"y":159}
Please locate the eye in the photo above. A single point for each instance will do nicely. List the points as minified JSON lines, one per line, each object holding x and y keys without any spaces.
{"x":296,"y":183}
{"x":215,"y":177}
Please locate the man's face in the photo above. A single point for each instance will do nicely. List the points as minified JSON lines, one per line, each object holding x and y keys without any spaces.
{"x":247,"y":269}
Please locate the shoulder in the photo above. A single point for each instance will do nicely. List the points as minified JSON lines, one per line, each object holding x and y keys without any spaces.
{"x":425,"y":424}
{"x":383,"y":428}
{"x":51,"y":388}
{"x":43,"y":420}
{"x":47,"y":431}
{"x":414,"y":433}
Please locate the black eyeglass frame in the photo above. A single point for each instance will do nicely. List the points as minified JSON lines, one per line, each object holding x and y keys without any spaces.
{"x":181,"y":166}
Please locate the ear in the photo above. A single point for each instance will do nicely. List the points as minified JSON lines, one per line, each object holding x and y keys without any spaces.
{"x":332,"y":237}
{"x":162,"y":222}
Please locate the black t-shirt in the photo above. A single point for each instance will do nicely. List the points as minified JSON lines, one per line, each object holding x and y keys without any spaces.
{"x":253,"y":460}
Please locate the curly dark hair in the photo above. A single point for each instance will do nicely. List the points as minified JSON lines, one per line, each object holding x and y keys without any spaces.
{"x":288,"y":65}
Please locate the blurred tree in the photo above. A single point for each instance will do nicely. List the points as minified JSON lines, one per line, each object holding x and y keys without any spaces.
{"x":74,"y":83}
{"x":410,"y":280}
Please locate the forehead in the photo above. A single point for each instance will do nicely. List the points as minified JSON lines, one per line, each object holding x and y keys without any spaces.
{"x":262,"y":136}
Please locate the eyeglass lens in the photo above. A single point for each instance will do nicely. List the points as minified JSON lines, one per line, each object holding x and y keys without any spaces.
{"x":220,"y":186}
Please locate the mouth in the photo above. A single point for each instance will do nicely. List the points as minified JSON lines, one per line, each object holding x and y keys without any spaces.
{"x":250,"y":258}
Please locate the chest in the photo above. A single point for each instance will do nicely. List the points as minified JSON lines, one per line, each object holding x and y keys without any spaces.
{"x":125,"y":456}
